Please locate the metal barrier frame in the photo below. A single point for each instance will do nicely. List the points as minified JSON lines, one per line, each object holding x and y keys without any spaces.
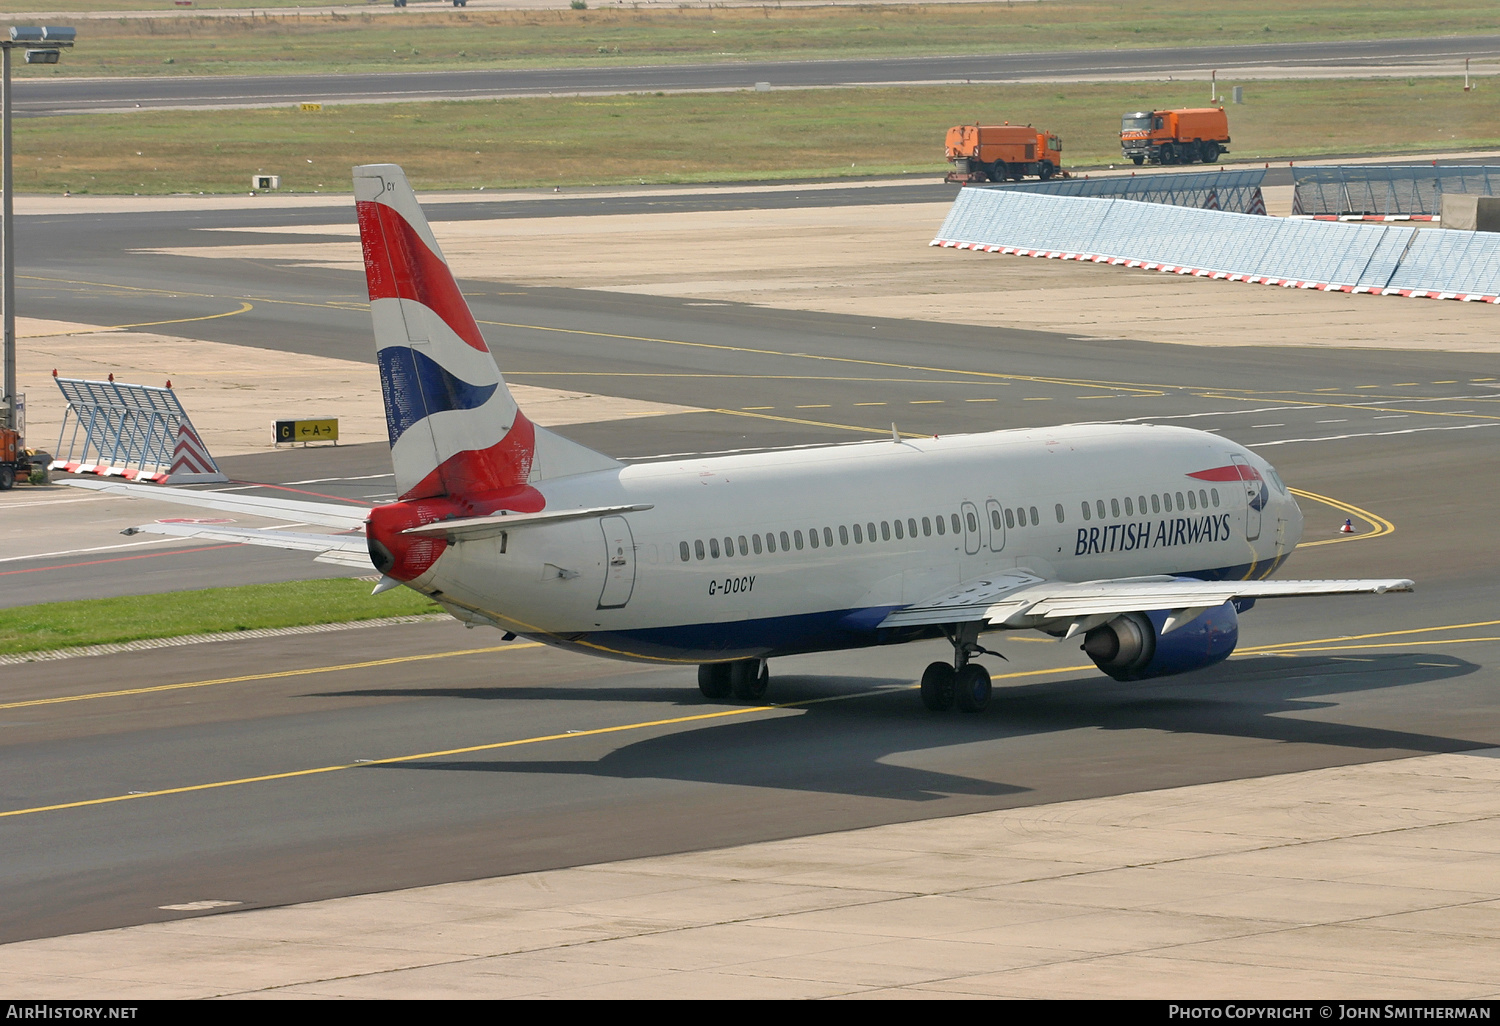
{"x":1238,"y":190}
{"x":1405,"y":190}
{"x":125,"y":426}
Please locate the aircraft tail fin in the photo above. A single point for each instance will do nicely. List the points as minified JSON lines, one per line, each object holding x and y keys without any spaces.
{"x":454,"y":428}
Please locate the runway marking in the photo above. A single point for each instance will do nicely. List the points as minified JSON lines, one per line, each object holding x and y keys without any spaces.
{"x":303,"y":672}
{"x":818,"y":423}
{"x":80,"y":552}
{"x":114,"y":559}
{"x":1364,"y":407}
{"x":1382,"y":526}
{"x":244,"y":308}
{"x":494,"y":745}
{"x":1384,"y":634}
{"x":1369,"y":434}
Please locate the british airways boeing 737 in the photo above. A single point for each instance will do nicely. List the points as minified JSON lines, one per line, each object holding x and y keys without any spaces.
{"x":1144,"y":542}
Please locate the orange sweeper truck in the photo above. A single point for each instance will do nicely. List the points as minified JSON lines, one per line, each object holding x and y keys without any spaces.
{"x":1175,"y":136}
{"x":998,"y":152}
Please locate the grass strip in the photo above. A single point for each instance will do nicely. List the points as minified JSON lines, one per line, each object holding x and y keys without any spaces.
{"x":111,"y":621}
{"x":700,"y":137}
{"x":386,"y":39}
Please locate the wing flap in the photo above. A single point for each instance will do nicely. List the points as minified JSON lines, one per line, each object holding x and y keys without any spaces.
{"x":1023,"y":600}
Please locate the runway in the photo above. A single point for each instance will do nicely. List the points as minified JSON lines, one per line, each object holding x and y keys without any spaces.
{"x":261,"y":773}
{"x":50,"y":97}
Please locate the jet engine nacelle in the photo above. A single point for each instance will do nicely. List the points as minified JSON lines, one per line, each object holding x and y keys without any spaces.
{"x":1133,"y":647}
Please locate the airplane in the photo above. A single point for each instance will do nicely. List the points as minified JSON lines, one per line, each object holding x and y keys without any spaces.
{"x":1144,"y":542}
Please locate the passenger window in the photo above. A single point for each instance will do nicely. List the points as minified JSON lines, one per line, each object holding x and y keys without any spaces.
{"x":728,"y":547}
{"x":812,"y":537}
{"x":786,"y":543}
{"x":713,"y":547}
{"x":1215,"y":494}
{"x":1142,"y":501}
{"x":859,"y":536}
{"x":699,"y":546}
{"x":1192,"y":500}
{"x":1155,"y":503}
{"x":1010,"y":518}
{"x":1166,"y":501}
{"x":755,"y":540}
{"x":843,"y":535}
{"x":870,"y":529}
{"x":1202,"y":498}
{"x":1099,"y":505}
{"x":1086,"y":514}
{"x":926,"y":527}
{"x":797,"y":540}
{"x":1035,"y":520}
{"x":973,"y":523}
{"x":940,"y":525}
{"x":682,"y":550}
{"x":995,"y":519}
{"x":885,"y":530}
{"x":744,"y":546}
{"x":1060,"y":518}
{"x":899,"y":535}
{"x":1114,"y":508}
{"x":1129,"y":507}
{"x":911,"y":526}
{"x":828,"y":536}
{"x":1180,"y":506}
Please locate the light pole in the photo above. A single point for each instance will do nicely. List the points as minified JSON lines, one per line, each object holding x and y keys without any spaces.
{"x":42,"y":46}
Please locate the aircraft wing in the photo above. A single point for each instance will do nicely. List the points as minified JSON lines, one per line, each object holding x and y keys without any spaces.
{"x":1021,"y":599}
{"x":342,"y":550}
{"x":324,"y":514}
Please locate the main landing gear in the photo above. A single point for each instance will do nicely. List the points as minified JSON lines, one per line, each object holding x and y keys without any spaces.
{"x":964,"y":684}
{"x":744,"y":679}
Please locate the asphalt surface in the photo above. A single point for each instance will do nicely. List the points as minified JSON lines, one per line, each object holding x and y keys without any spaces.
{"x":51,"y":96}
{"x":232,"y":772}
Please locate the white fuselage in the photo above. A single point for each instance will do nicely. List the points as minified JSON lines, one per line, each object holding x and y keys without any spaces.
{"x":801,"y":550}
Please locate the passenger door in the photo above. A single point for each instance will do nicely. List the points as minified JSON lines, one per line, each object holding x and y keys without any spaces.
{"x":997,"y":525}
{"x":619,"y":563}
{"x":973,"y":527}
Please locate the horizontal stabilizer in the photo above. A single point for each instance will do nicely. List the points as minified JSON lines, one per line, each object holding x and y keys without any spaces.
{"x":324,"y":514}
{"x":343,"y":550}
{"x":474,"y":528}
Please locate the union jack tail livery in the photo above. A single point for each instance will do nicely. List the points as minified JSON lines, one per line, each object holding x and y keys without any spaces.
{"x":454,"y":428}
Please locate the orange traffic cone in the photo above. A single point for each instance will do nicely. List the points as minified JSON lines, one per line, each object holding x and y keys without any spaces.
{"x":1348,"y":527}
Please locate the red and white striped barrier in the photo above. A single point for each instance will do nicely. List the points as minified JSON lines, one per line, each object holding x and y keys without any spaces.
{"x":105,"y":470}
{"x":1254,"y":279}
{"x":191,"y":463}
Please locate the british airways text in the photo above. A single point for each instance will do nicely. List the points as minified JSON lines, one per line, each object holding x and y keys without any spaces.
{"x":1152,"y":534}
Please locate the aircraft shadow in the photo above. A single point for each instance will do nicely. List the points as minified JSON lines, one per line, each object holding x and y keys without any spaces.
{"x":866,"y":746}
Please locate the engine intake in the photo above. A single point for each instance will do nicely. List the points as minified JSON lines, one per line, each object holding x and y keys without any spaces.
{"x":1132,"y":646}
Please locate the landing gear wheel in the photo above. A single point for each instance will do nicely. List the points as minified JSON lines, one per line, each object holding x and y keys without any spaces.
{"x":713,"y":680}
{"x":749,"y":679}
{"x":972,"y":687}
{"x":938,"y":687}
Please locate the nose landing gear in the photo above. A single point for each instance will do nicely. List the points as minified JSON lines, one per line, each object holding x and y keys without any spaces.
{"x":964,"y":684}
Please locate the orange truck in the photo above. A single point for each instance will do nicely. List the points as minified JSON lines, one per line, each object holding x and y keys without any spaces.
{"x":998,"y":152}
{"x":1175,"y":136}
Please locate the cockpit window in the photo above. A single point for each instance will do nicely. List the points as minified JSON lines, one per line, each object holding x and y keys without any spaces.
{"x":1276,"y":479}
